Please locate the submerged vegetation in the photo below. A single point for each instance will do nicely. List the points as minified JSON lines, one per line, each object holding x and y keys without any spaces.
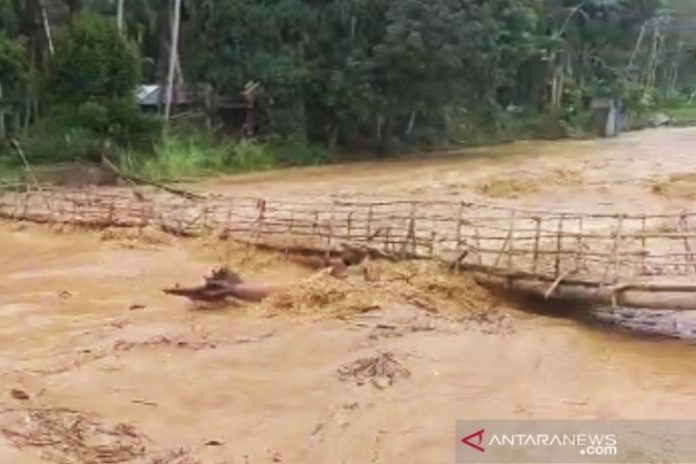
{"x":294,"y":82}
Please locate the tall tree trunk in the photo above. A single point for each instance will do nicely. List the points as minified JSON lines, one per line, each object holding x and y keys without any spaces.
{"x":639,"y":43}
{"x":174,"y":47}
{"x":29,"y":90}
{"x":119,"y":15}
{"x":411,"y":123}
{"x":46,"y":27}
{"x":651,"y":68}
{"x":674,"y":75}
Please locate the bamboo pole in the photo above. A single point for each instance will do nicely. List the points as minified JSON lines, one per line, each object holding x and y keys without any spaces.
{"x":579,"y":245}
{"x":349,"y":225}
{"x":436,"y":240}
{"x":510,"y":250}
{"x":535,"y":264}
{"x":559,"y":247}
{"x":330,"y":238}
{"x":615,"y":252}
{"x":642,"y":243}
{"x":411,"y":234}
{"x":431,"y":251}
{"x":687,"y":247}
{"x":477,"y":237}
{"x":460,"y":221}
{"x":506,"y":244}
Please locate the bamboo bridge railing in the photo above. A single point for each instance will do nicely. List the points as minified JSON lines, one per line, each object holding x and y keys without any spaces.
{"x":631,"y":260}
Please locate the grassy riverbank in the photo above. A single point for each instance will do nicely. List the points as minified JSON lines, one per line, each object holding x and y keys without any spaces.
{"x":190,"y":155}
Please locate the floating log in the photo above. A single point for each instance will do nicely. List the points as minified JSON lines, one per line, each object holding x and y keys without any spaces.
{"x":661,"y":296}
{"x":223,"y":284}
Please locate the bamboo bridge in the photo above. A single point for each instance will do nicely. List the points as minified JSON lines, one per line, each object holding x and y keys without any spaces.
{"x":644,"y":261}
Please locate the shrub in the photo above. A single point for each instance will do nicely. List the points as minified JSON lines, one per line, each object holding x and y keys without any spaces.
{"x":94,"y":61}
{"x":91,"y":107}
{"x":192,"y":155}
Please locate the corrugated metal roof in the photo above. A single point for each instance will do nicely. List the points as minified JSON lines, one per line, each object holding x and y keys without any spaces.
{"x":148,"y":94}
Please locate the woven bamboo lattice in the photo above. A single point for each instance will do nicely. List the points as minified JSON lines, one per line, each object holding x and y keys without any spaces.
{"x":551,"y":246}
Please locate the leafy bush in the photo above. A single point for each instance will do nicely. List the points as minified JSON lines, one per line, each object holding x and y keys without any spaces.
{"x":91,"y":107}
{"x":93,"y":61}
{"x":297,"y":152}
{"x":251,"y":156}
{"x":183,"y":155}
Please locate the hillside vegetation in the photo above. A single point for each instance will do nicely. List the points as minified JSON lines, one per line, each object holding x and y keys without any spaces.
{"x":330,"y":77}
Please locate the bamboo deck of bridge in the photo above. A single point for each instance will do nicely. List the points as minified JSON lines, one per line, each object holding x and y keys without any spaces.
{"x":633,"y":260}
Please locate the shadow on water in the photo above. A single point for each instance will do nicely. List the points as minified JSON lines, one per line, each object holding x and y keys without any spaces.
{"x":638,"y":323}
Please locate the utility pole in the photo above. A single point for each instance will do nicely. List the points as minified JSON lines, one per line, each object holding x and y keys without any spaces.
{"x":119,"y":15}
{"x":173,"y":53}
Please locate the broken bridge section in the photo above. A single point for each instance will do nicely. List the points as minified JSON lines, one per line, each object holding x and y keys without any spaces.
{"x":645,"y":261}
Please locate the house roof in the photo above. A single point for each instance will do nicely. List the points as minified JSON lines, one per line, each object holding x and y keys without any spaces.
{"x":148,"y":94}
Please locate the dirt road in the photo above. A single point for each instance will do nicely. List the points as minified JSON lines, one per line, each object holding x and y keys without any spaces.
{"x":98,"y":365}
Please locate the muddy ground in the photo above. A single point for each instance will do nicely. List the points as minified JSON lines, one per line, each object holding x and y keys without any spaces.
{"x":97,"y":365}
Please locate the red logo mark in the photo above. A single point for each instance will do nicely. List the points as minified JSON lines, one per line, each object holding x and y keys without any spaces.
{"x":479,"y":436}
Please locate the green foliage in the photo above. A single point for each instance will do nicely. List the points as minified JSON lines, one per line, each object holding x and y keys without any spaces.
{"x":10,"y":169}
{"x":13,"y":73}
{"x":13,"y":61}
{"x":93,"y":62}
{"x":340,"y":74}
{"x":176,"y":157}
{"x":89,"y":131}
{"x":193,"y":155}
{"x":91,"y":109}
{"x":8,"y":17}
{"x":683,"y":114}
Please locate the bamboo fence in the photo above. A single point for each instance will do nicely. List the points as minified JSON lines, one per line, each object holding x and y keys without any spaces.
{"x":551,"y":253}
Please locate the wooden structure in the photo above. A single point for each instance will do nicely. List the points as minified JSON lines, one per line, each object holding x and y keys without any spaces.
{"x":610,"y":259}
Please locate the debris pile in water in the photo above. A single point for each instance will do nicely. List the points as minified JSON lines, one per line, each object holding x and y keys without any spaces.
{"x":69,"y":436}
{"x":370,"y":285}
{"x":381,"y":370}
{"x":132,"y":237}
{"x":430,"y":286}
{"x":326,"y":294}
{"x":427,"y":285}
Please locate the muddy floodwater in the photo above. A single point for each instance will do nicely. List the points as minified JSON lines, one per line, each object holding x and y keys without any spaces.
{"x":98,"y":365}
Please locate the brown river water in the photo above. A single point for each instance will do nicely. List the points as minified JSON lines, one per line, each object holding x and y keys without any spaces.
{"x":88,"y":340}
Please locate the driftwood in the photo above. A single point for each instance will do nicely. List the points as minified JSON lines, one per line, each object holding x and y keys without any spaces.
{"x":132,"y":180}
{"x":223,"y":284}
{"x":381,"y":370}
